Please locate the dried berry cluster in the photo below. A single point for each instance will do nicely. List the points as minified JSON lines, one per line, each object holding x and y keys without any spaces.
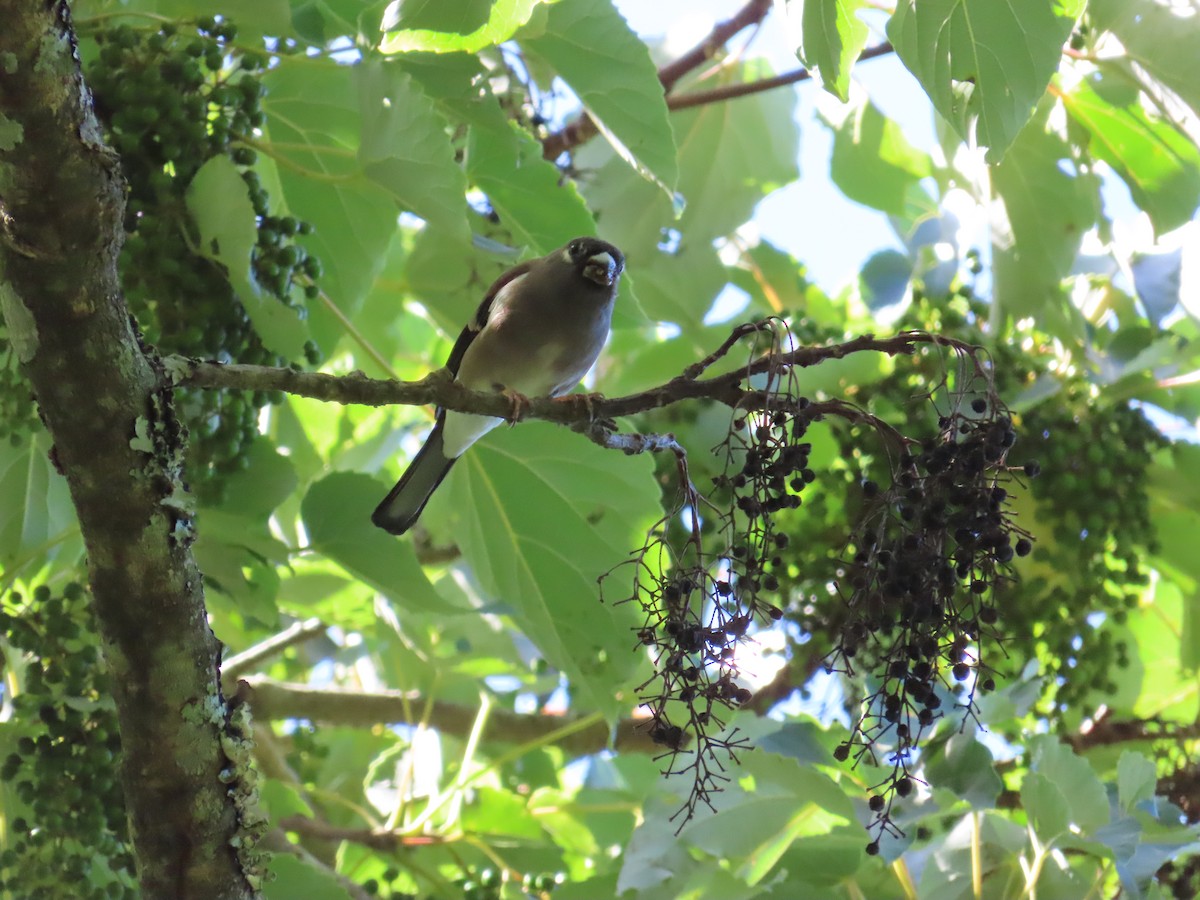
{"x":930,"y":560}
{"x":1091,"y":505}
{"x":930,"y":554}
{"x":701,"y":603}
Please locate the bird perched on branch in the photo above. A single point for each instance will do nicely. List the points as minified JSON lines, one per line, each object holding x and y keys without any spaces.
{"x":537,"y":332}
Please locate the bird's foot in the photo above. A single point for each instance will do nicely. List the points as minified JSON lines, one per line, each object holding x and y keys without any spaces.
{"x":587,"y":401}
{"x":519,"y":403}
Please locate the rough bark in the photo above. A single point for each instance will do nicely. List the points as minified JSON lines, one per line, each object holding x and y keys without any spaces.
{"x":119,"y":446}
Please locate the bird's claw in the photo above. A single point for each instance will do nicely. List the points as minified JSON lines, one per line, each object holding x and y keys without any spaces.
{"x":587,"y":401}
{"x":519,"y":403}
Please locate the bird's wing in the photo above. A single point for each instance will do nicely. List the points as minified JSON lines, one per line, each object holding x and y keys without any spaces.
{"x":480,"y":319}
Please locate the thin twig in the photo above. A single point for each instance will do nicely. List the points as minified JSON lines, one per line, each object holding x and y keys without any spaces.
{"x":583,"y":128}
{"x":732,"y":91}
{"x":250,"y":658}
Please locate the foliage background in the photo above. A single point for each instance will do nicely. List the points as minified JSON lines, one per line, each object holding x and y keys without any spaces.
{"x":480,"y":677}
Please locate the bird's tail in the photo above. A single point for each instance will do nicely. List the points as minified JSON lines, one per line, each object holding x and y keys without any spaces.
{"x":403,"y":505}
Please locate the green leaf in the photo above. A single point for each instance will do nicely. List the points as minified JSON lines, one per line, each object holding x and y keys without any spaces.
{"x":872,"y":162}
{"x":967,"y":768}
{"x":1160,"y":165}
{"x":681,"y":286}
{"x":590,"y":45}
{"x":884,"y":278}
{"x":1047,"y":210}
{"x":1086,"y":802}
{"x":730,"y":155}
{"x":405,"y":148}
{"x":218,"y":200}
{"x":454,"y":16}
{"x":265,"y":17}
{"x":1137,"y":778}
{"x":829,"y":37}
{"x":965,"y":54}
{"x":528,"y":193}
{"x":1167,"y":690}
{"x":36,"y":512}
{"x":1045,"y":805}
{"x":1160,"y":38}
{"x":234,"y":546}
{"x":291,"y":877}
{"x":540,"y":513}
{"x":447,"y":26}
{"x":314,"y":130}
{"x":787,"y":801}
{"x":321,"y":21}
{"x":337,"y":515}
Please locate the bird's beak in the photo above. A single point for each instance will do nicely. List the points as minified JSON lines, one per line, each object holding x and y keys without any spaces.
{"x":602,"y":269}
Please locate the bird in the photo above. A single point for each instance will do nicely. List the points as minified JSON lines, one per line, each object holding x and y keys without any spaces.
{"x":537,"y":333}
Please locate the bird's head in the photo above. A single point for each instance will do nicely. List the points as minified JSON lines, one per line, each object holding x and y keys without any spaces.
{"x":596,"y":260}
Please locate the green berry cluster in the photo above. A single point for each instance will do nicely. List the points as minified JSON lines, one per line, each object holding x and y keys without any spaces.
{"x":1093,"y":501}
{"x":67,"y":836}
{"x":171,"y":99}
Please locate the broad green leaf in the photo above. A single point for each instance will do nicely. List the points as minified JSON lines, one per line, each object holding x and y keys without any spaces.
{"x":448,"y":26}
{"x":497,"y":812}
{"x":884,"y":278}
{"x":314,"y":127}
{"x":731,"y":155}
{"x":829,"y":36}
{"x":1045,"y":805}
{"x":540,"y":513}
{"x":1167,"y":690}
{"x":823,"y":860}
{"x":1159,"y":37}
{"x":962,"y":52}
{"x":1086,"y":800}
{"x":787,"y":801}
{"x":37,"y":519}
{"x":590,"y":45}
{"x":240,"y":560}
{"x":1137,"y":778}
{"x":291,"y":877}
{"x":535,"y":204}
{"x":271,"y":18}
{"x":321,"y":21}
{"x":1160,"y":165}
{"x":337,"y":516}
{"x":528,"y":193}
{"x":458,"y":82}
{"x":453,"y":16}
{"x":872,"y":162}
{"x":449,"y":277}
{"x":967,"y":768}
{"x":218,"y":200}
{"x":681,"y":286}
{"x":1048,"y":206}
{"x":239,"y":555}
{"x":405,"y":148}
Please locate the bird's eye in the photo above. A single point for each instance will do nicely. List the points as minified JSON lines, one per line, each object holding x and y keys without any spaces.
{"x":575,"y":247}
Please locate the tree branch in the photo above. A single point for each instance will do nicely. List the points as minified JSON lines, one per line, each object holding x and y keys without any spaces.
{"x":117,"y":441}
{"x":732,"y":91}
{"x":272,"y":699}
{"x":439,"y":389}
{"x":583,"y":128}
{"x":297,"y":633}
